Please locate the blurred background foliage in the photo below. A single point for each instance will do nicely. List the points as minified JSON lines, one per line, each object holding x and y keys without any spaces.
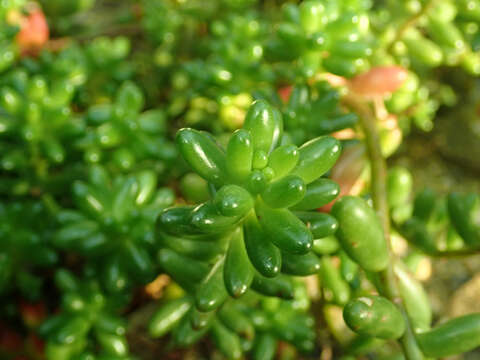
{"x":108,"y":82}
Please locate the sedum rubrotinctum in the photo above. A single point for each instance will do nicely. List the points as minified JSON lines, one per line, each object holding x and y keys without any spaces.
{"x":257,"y":226}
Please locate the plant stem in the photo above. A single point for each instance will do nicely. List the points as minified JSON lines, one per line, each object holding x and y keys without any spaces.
{"x":411,"y":21}
{"x":378,"y":175}
{"x":50,"y":204}
{"x":458,"y":253}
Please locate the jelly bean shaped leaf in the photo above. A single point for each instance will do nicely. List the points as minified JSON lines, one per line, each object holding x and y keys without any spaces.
{"x":360,"y":233}
{"x":317,"y":157}
{"x":374,"y":316}
{"x":203,"y":155}
{"x":237,"y":272}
